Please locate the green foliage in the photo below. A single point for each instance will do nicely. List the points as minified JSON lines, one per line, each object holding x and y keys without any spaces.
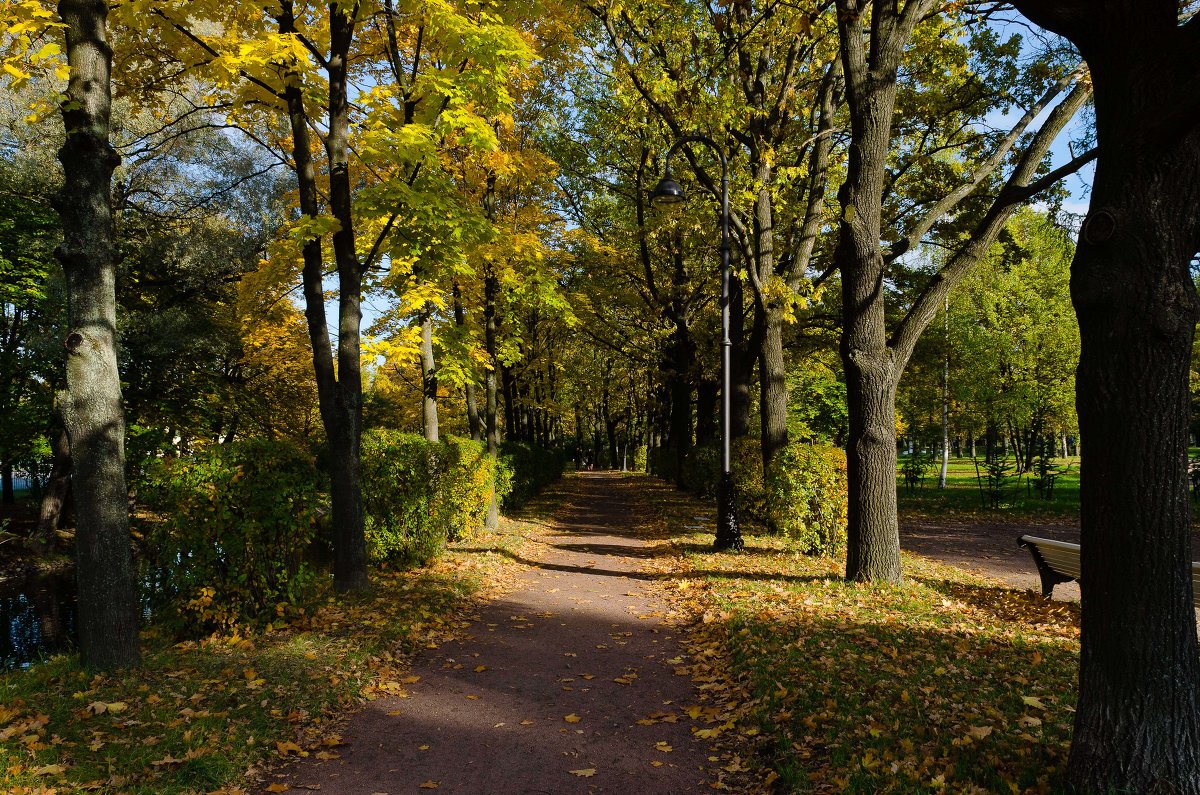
{"x":802,"y":495}
{"x":806,"y":491}
{"x":235,"y":521}
{"x":527,"y":469}
{"x":994,"y":476}
{"x":914,"y":468}
{"x":417,"y":494}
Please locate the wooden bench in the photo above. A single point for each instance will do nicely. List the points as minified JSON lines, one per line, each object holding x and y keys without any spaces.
{"x":1058,"y":562}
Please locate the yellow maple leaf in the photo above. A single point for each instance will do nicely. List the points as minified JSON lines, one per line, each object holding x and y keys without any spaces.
{"x":572,"y":718}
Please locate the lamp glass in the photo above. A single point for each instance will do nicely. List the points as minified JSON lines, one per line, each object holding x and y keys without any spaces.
{"x":667,"y":193}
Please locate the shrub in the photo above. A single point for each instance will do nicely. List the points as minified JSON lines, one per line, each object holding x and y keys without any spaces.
{"x":805,"y":496}
{"x":236,"y":519}
{"x":419,"y":494}
{"x":528,"y":470}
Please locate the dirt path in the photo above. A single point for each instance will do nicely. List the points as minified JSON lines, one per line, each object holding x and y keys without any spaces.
{"x":988,"y":548}
{"x":564,"y":686}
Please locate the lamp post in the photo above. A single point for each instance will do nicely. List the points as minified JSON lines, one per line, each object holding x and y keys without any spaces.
{"x":668,"y":192}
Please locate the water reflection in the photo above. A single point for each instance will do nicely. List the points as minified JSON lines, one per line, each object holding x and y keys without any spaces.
{"x":38,"y":613}
{"x":37,"y":618}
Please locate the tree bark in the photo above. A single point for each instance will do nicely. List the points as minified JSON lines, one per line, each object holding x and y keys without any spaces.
{"x":772,"y":385}
{"x":339,"y":392}
{"x":58,"y":486}
{"x":91,"y":405}
{"x":1137,"y":724}
{"x":8,"y":494}
{"x":491,"y":290}
{"x":473,"y":423}
{"x":429,"y":380}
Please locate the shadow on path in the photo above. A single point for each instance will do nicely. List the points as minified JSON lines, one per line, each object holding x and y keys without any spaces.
{"x":566,"y":685}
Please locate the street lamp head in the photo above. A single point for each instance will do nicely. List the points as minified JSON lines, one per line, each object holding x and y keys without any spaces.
{"x":667,"y":193}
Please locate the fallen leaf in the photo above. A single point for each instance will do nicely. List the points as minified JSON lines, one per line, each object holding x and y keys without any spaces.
{"x":572,"y":718}
{"x":430,"y":784}
{"x":277,"y":788}
{"x":979,"y":732}
{"x":1033,"y":701}
{"x":480,"y":669}
{"x":586,"y":772}
{"x":663,"y":746}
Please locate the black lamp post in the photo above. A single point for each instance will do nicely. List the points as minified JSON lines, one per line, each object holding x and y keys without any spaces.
{"x":668,"y":192}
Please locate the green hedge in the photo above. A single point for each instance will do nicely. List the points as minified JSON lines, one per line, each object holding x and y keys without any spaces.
{"x":417,"y":494}
{"x":527,"y":469}
{"x":803,"y":495}
{"x":235,"y":521}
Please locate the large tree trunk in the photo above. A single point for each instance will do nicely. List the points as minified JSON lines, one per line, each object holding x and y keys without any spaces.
{"x":1137,"y":724}
{"x":91,"y":406}
{"x":429,"y":380}
{"x":772,"y":384}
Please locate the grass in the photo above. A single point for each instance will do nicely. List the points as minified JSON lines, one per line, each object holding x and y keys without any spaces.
{"x":961,"y":497}
{"x":946,"y":683}
{"x":203,"y":716}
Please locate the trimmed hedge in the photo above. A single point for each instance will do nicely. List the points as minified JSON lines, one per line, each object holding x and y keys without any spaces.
{"x":236,"y":520}
{"x":527,"y":469}
{"x":417,"y":494}
{"x":803,"y":495}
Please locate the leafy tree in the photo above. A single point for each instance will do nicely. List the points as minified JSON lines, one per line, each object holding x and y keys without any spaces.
{"x":887,"y":162}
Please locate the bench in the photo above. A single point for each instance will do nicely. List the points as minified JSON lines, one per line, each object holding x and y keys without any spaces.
{"x":1058,"y":562}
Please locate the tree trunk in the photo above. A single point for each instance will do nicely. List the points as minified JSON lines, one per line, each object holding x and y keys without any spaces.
{"x":1137,"y":724}
{"x":8,"y":494}
{"x":339,"y":391}
{"x":57,"y":488}
{"x":429,"y":380}
{"x":91,"y":405}
{"x":873,"y":534}
{"x":491,"y":290}
{"x":772,"y":380}
{"x":708,"y":392}
{"x":742,"y":370}
{"x":511,"y":427}
{"x":473,"y":423}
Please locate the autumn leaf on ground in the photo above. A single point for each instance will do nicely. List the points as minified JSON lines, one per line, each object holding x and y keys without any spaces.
{"x":278,"y":788}
{"x":979,"y":732}
{"x":586,"y":772}
{"x":430,"y":784}
{"x":664,"y":746}
{"x":572,"y":718}
{"x":480,"y":669}
{"x":1033,"y":701}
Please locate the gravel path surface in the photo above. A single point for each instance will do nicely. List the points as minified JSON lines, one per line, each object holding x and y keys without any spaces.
{"x":563,"y":686}
{"x":988,"y":548}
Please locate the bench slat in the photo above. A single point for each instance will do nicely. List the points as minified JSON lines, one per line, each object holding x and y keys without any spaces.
{"x":1063,"y":558}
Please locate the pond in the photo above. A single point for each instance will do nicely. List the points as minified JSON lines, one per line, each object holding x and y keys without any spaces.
{"x":38,"y":614}
{"x":37,"y":618}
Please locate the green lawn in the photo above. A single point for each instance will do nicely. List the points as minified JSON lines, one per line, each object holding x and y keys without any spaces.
{"x":962,"y":497}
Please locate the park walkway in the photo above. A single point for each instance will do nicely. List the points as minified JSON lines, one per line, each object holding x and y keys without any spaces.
{"x":566,"y":685}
